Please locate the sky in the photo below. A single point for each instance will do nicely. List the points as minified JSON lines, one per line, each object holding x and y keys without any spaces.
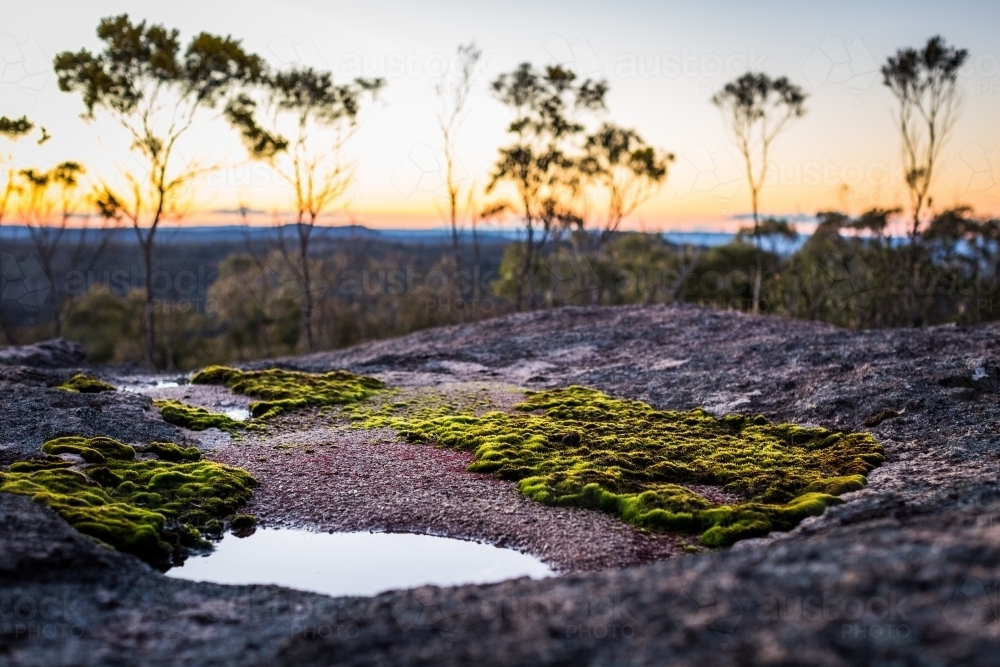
{"x":662,"y":60}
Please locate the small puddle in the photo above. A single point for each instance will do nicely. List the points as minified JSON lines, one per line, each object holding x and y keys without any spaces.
{"x":356,"y":563}
{"x":238,"y":414}
{"x":140,"y":386}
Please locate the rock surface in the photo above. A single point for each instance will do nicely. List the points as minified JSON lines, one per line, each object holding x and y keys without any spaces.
{"x":56,"y":353}
{"x":33,"y":411}
{"x":905,"y":572}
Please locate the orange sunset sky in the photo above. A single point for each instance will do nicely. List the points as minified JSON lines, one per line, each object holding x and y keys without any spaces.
{"x":663,"y":61}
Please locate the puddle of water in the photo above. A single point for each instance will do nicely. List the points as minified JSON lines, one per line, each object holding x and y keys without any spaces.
{"x":239,"y":414}
{"x":139,"y":387}
{"x":355,"y":563}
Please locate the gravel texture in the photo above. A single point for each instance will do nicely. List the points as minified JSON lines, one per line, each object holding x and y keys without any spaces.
{"x":331,"y":479}
{"x":907,"y":572}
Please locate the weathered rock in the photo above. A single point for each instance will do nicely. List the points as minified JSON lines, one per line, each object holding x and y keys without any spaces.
{"x":31,"y":413}
{"x":55,"y":353}
{"x":906,"y":572}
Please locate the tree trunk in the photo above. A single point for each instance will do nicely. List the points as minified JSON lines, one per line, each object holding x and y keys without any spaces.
{"x":759,"y":267}
{"x":147,"y":252}
{"x":307,"y":303}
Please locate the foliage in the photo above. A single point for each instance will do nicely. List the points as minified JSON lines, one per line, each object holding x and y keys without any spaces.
{"x":111,"y":328}
{"x":153,"y":506}
{"x":156,"y":93}
{"x":542,"y":164}
{"x":299,"y":123}
{"x":255,"y":302}
{"x":626,"y":167}
{"x":924,"y":83}
{"x":865,"y":281}
{"x":757,"y":109}
{"x":282,"y":391}
{"x":578,"y":447}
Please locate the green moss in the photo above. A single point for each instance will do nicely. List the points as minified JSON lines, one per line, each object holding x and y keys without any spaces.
{"x":243,"y":521}
{"x":168,"y":451}
{"x":156,"y":508}
{"x":195,"y":418}
{"x":86,"y":384}
{"x":46,"y":462}
{"x":578,"y":447}
{"x":93,"y":450}
{"x":283,"y":391}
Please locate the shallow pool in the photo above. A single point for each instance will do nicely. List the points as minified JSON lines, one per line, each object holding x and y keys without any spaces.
{"x":238,"y":414}
{"x":355,"y":563}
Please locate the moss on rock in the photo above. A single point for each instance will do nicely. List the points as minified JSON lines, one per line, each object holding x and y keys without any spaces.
{"x":86,"y":384}
{"x":168,"y":451}
{"x":195,"y":418}
{"x":282,"y":391}
{"x":578,"y":447}
{"x":155,"y":508}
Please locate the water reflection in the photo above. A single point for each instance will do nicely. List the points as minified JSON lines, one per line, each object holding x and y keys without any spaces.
{"x":356,"y":563}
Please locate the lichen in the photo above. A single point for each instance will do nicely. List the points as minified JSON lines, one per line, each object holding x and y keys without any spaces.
{"x":196,"y":418}
{"x":282,"y":391}
{"x":158,"y":506}
{"x":579,"y":447}
{"x":86,"y":384}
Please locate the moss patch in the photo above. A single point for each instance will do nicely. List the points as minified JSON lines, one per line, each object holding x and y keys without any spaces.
{"x":195,"y":418}
{"x":158,"y":506}
{"x":283,"y":391}
{"x":579,"y":447}
{"x":85,"y":384}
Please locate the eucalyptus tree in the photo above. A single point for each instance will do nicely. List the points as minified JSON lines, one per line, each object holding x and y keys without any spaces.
{"x":48,"y":202}
{"x":453,"y":91}
{"x":925,"y":85}
{"x":543,"y":164}
{"x":757,"y":109}
{"x":11,"y":129}
{"x":629,"y":170}
{"x":298,"y":121}
{"x":156,"y":91}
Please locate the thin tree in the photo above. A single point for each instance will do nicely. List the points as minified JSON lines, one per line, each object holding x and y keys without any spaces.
{"x":11,"y":129}
{"x":543,"y":162}
{"x":925,"y":84}
{"x":298,"y":123}
{"x":157,"y":92}
{"x":629,"y":170}
{"x":453,"y":93}
{"x":48,"y":202}
{"x":757,"y":109}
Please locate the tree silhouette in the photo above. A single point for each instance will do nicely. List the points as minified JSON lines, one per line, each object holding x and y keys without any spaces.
{"x":298,"y":121}
{"x":757,"y":109}
{"x":542,"y":163}
{"x":628,"y":169}
{"x":453,"y":94}
{"x":925,"y":84}
{"x":11,"y":129}
{"x":157,"y":93}
{"x":48,"y":201}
